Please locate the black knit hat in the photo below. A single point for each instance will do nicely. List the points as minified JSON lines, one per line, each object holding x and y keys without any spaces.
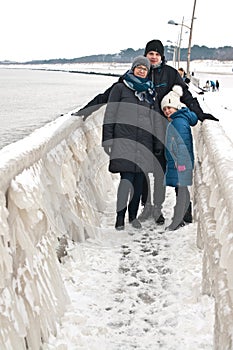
{"x":154,"y":45}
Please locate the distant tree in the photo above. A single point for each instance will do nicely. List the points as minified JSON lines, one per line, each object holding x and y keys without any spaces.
{"x":197,"y":52}
{"x":127,"y":55}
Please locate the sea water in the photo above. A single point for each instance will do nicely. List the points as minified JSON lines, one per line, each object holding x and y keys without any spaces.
{"x":31,"y":98}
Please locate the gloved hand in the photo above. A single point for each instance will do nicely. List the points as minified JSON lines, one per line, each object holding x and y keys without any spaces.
{"x":78,"y":113}
{"x":195,"y":107}
{"x":209,"y":116}
{"x":107,"y":149}
{"x":83,"y":112}
{"x":181,"y":168}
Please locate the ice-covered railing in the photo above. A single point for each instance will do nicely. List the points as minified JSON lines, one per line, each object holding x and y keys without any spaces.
{"x":53,"y":185}
{"x":213,"y":189}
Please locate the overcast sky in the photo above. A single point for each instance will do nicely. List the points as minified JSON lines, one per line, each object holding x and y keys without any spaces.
{"x":73,"y":28}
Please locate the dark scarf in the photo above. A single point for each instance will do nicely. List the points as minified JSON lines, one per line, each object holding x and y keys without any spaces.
{"x":143,"y":87}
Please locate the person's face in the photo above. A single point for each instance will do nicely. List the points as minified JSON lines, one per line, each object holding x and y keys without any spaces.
{"x":140,"y":71}
{"x":168,"y":111}
{"x":181,"y":73}
{"x":154,"y":57}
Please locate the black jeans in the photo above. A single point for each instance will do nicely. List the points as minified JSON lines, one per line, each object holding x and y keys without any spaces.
{"x":159,"y":187}
{"x":129,"y":191}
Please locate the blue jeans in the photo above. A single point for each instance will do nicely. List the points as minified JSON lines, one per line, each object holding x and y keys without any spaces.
{"x":129,"y":191}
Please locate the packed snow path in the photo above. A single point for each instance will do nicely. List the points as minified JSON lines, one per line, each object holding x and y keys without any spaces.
{"x":136,"y":289}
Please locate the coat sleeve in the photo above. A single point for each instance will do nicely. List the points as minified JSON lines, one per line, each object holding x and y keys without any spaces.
{"x":159,"y":126}
{"x":97,"y":102}
{"x":110,"y":115}
{"x":188,"y":99}
{"x":183,"y":146}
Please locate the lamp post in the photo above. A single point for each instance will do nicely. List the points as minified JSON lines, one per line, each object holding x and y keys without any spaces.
{"x":173,"y":50}
{"x":180,"y":39}
{"x":190,"y":35}
{"x":190,"y":40}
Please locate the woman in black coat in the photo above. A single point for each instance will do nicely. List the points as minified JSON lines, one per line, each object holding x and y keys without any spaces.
{"x":129,"y":130}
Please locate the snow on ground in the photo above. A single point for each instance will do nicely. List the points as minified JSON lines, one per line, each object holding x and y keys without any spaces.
{"x":140,"y":289}
{"x":220,"y":104}
{"x":136,"y":290}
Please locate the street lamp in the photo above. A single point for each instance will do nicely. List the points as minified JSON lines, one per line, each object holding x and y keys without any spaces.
{"x":172,"y":49}
{"x":190,"y":35}
{"x":180,"y":38}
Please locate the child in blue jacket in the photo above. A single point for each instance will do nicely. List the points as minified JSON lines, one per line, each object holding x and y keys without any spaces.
{"x":179,"y":151}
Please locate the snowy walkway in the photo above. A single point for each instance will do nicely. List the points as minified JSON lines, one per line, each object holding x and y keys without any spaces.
{"x":136,"y":290}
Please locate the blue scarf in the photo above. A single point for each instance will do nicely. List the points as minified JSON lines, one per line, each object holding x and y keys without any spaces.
{"x":143,"y":87}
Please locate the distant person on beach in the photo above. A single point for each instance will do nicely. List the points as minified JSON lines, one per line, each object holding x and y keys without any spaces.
{"x":183,"y":75}
{"x":212,"y":85}
{"x":181,"y":71}
{"x":217,"y":85}
{"x":207,"y":86}
{"x":164,"y":78}
{"x":179,"y":152}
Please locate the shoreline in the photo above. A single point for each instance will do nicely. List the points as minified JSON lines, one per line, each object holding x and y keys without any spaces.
{"x":115,"y":69}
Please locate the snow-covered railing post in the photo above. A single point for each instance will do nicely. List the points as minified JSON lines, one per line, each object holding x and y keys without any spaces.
{"x":50,"y":190}
{"x":213,"y":190}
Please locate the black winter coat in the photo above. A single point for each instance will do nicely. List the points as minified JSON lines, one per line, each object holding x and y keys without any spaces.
{"x":133,"y":130}
{"x":164,"y":78}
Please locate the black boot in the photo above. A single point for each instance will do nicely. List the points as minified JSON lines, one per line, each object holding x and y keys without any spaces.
{"x":160,"y":220}
{"x":120,"y":223}
{"x":171,"y":227}
{"x":188,"y":215}
{"x":135,"y":223}
{"x":157,"y":214}
{"x":146,"y":213}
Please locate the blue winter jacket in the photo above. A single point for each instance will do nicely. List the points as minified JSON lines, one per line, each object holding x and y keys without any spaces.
{"x":179,"y":148}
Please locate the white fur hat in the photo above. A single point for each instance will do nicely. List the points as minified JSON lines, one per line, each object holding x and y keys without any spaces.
{"x":172,"y":99}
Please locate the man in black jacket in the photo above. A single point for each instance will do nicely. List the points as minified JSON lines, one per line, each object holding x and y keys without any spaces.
{"x":164,"y":78}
